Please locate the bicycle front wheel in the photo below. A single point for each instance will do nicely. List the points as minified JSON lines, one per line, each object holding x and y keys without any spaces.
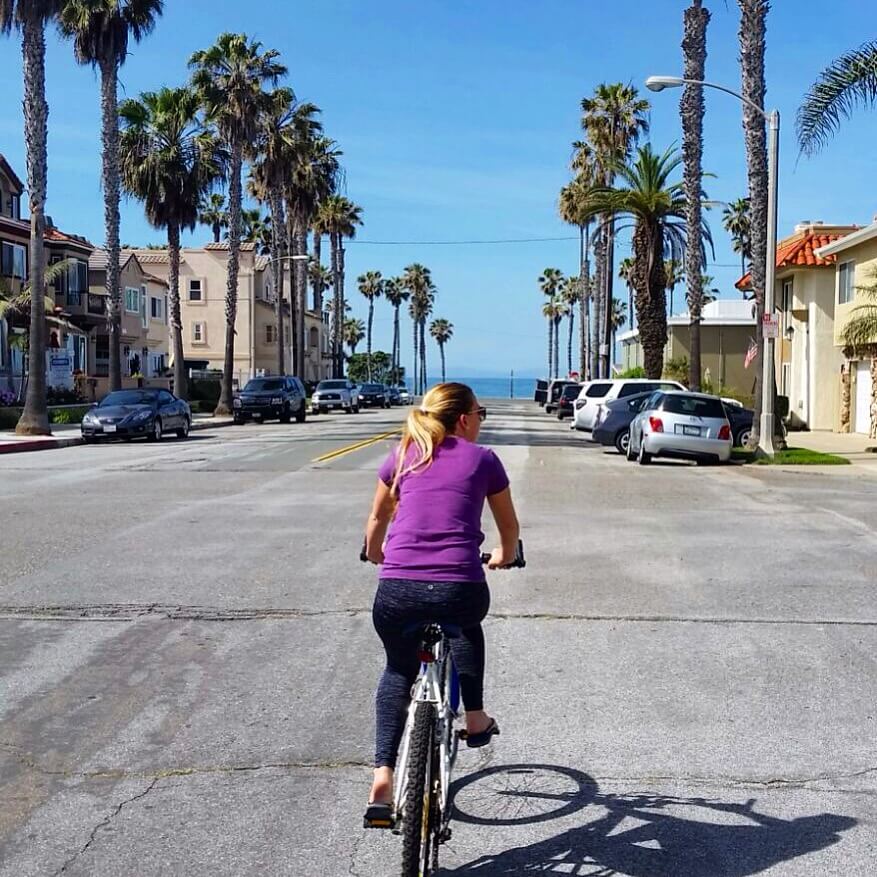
{"x":419,"y":809}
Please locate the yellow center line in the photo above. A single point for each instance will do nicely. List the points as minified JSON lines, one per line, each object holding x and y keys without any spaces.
{"x":349,"y":449}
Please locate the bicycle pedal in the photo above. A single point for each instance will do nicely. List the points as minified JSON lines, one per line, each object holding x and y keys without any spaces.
{"x":379,"y":823}
{"x":445,"y":836}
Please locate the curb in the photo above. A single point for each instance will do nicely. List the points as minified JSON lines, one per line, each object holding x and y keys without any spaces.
{"x":198,"y":425}
{"x":39,"y":444}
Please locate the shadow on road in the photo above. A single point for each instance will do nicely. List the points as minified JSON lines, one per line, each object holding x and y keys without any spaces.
{"x":635,"y":835}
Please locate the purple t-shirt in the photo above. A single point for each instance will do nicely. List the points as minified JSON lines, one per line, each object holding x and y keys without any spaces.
{"x":436,"y":533}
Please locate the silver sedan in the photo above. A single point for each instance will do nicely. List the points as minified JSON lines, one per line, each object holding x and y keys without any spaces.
{"x":684,"y":426}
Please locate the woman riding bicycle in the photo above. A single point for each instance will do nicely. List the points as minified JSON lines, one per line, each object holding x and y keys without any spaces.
{"x":433,"y":488}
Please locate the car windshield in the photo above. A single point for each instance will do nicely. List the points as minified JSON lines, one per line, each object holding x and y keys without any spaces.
{"x":696,"y":406}
{"x":571,"y":392}
{"x":263,"y":385}
{"x":372,"y":388}
{"x":129,"y":397}
{"x":332,"y":385}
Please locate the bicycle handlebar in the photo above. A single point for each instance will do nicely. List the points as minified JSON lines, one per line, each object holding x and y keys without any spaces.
{"x":519,"y":562}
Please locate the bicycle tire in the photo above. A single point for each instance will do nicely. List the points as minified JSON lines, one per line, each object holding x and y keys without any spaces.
{"x":419,"y":810}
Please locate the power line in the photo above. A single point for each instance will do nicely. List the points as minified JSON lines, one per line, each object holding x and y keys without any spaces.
{"x":457,"y":243}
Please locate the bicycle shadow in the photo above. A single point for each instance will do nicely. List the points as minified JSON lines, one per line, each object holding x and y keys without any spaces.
{"x":666,"y":836}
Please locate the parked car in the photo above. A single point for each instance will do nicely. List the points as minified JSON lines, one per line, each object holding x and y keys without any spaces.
{"x":271,"y":398}
{"x":612,"y":424}
{"x":404,"y":395}
{"x":541,"y":394}
{"x":599,"y":392}
{"x":334,"y":395}
{"x":740,"y":419}
{"x":147,"y":413}
{"x":681,"y":425}
{"x":394,"y":395}
{"x":555,"y":388}
{"x":374,"y":396}
{"x":568,"y":396}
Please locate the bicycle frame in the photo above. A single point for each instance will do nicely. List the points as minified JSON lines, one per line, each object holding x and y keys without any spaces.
{"x":437,"y":684}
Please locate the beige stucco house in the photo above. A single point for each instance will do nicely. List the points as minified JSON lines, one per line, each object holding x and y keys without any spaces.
{"x":726,"y":329}
{"x":855,"y":273}
{"x":203,"y":273}
{"x":808,"y":360}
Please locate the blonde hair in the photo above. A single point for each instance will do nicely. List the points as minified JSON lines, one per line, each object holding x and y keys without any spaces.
{"x":428,"y":426}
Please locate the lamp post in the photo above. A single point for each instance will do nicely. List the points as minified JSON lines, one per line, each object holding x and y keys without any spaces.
{"x":766,"y":426}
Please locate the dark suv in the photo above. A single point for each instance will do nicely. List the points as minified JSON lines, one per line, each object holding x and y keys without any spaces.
{"x":278,"y":397}
{"x":374,"y":396}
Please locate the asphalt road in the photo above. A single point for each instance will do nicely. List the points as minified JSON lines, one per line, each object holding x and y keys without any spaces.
{"x":684,"y":674}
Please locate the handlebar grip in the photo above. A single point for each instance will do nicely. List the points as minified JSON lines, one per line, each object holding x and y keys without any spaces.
{"x":362,"y":555}
{"x":518,"y":563}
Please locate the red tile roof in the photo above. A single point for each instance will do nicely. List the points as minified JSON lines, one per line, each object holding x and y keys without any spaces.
{"x":798,"y":251}
{"x":54,"y":234}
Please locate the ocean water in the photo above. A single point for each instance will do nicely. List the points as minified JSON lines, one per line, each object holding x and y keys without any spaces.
{"x":496,"y":388}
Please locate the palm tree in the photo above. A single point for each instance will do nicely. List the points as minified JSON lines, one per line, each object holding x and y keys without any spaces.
{"x":395,"y":293}
{"x":252,"y":226}
{"x":860,"y":339}
{"x":230,"y":78}
{"x":657,"y":208}
{"x":371,"y":285}
{"x":710,"y":291}
{"x":737,"y":223}
{"x":338,"y":217}
{"x":692,"y":107}
{"x":549,"y":311}
{"x":625,"y":273}
{"x":169,"y":160}
{"x":101,"y":31}
{"x":212,"y":212}
{"x":570,"y":296}
{"x":561,"y":309}
{"x":442,"y":330}
{"x":31,"y":18}
{"x":417,"y":279}
{"x":614,"y":119}
{"x":848,"y":82}
{"x":617,"y":319}
{"x":550,"y":281}
{"x":752,"y":34}
{"x":354,"y":332}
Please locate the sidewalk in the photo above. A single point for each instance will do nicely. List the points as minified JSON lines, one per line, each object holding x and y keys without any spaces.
{"x":853,"y":446}
{"x":65,"y":435}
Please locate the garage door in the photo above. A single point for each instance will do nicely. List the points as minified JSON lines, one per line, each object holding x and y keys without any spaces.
{"x":863,"y":397}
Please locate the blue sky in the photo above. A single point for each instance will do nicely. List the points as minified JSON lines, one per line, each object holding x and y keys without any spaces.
{"x":456,"y":122}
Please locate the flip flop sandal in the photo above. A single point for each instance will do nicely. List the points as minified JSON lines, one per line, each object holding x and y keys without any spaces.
{"x":476,"y":741}
{"x":379,"y":816}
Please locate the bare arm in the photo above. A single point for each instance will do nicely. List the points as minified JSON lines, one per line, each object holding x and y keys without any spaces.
{"x":506,"y":518}
{"x":378,"y":522}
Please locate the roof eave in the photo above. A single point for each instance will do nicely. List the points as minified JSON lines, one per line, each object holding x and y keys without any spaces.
{"x":851,"y":240}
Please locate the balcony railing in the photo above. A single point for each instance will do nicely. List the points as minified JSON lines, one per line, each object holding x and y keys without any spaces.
{"x":96,"y":303}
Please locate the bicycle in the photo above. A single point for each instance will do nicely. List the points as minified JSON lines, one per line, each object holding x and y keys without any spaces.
{"x":421,"y":811}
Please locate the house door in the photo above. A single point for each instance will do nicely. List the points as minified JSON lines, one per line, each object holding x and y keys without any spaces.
{"x":863,"y":397}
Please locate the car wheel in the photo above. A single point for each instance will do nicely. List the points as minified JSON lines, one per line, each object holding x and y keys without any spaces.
{"x":301,"y":414}
{"x":559,"y":415}
{"x":644,"y":458}
{"x":88,"y":440}
{"x":631,"y":456}
{"x":285,"y":416}
{"x":183,"y":431}
{"x":356,"y":409}
{"x":622,"y":442}
{"x":741,"y":440}
{"x":238,"y":421}
{"x":156,"y":434}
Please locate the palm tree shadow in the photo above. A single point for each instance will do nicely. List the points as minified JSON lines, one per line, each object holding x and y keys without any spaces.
{"x":658,"y":836}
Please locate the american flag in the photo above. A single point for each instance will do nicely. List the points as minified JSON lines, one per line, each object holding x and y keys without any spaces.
{"x":751,"y":353}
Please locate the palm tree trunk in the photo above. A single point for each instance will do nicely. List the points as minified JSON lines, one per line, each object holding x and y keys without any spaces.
{"x":278,"y":268}
{"x":217,"y":232}
{"x":423,"y":375}
{"x":301,"y":291}
{"x":442,"y":354}
{"x":224,"y":406}
{"x":394,"y":362}
{"x":414,"y":378}
{"x":629,"y":305}
{"x":337,"y":316}
{"x":181,"y":382}
{"x":342,"y":301}
{"x":557,"y":322}
{"x":318,"y":278}
{"x":599,"y":301}
{"x":550,"y":345}
{"x":34,"y":418}
{"x":651,"y":305}
{"x":111,"y":186}
{"x":606,"y":327}
{"x":571,"y":318}
{"x":368,"y":340}
{"x":873,"y":433}
{"x":692,"y":110}
{"x":752,"y":33}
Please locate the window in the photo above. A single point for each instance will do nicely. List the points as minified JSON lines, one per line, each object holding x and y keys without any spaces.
{"x":15,"y":206}
{"x":597,"y":391}
{"x":13,"y":261}
{"x":144,"y":316}
{"x":60,"y":282}
{"x":155,"y":309}
{"x":786,"y":301}
{"x":270,"y":335}
{"x":199,"y":334}
{"x":132,"y":300}
{"x":195,"y":291}
{"x":695,"y":406}
{"x":846,"y":276}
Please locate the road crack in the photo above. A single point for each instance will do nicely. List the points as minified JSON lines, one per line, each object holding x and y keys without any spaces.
{"x":103,"y":824}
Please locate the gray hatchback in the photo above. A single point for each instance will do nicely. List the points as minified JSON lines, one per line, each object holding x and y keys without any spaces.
{"x":681,"y":425}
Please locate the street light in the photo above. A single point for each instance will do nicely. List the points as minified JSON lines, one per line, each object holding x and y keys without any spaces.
{"x":766,"y":426}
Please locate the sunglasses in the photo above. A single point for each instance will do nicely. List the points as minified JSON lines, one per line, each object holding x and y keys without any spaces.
{"x":481,"y":412}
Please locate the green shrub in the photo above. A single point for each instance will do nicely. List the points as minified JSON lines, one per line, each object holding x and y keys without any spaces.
{"x":9,"y":417}
{"x":204,"y":391}
{"x":635,"y":372}
{"x":676,"y":370}
{"x":67,"y":415}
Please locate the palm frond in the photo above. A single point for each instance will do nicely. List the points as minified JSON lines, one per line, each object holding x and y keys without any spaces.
{"x":847,"y":83}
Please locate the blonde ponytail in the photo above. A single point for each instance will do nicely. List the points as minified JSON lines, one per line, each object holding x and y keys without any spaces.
{"x":428,"y":426}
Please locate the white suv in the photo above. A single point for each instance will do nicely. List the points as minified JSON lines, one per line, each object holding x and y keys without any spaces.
{"x":596,"y":393}
{"x":338,"y":394}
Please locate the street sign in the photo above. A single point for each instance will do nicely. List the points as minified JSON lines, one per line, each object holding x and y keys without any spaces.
{"x":770,"y":325}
